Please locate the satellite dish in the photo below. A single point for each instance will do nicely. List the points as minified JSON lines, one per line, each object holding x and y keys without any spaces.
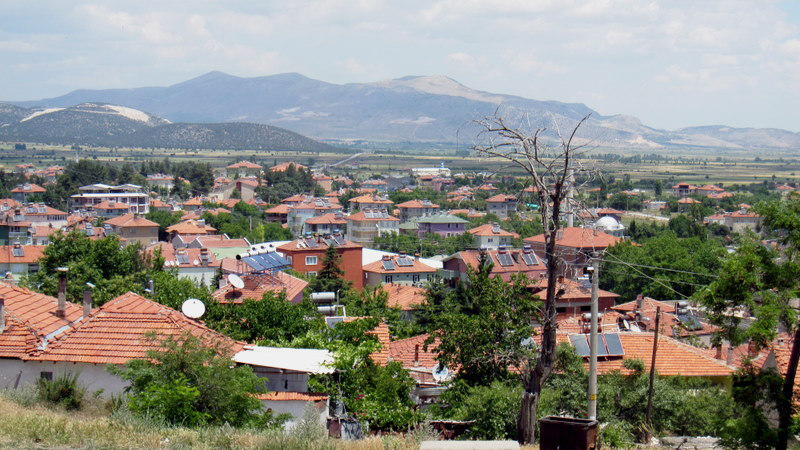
{"x":528,"y":343}
{"x":440,"y":373}
{"x":196,"y":262}
{"x":193,"y":308}
{"x":235,"y":281}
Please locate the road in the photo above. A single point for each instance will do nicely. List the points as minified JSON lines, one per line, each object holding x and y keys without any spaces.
{"x":345,"y":160}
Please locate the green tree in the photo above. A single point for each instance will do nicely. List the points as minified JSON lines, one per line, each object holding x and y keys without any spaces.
{"x":192,"y":383}
{"x":330,"y":277}
{"x":763,"y":281}
{"x":484,"y":327}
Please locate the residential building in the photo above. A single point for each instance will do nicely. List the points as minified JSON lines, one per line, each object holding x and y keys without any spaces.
{"x":416,"y":208}
{"x":23,"y":192}
{"x":258,"y":284}
{"x":329,"y":223}
{"x":161,"y":180}
{"x":94,"y":194}
{"x":17,"y":260}
{"x":683,"y":190}
{"x":501,"y":205}
{"x":364,"y":226}
{"x":574,"y":246}
{"x":188,"y":230}
{"x":369,"y":201}
{"x":574,"y":296}
{"x":378,"y":185}
{"x":490,"y":236}
{"x":134,"y":228}
{"x":741,"y":220}
{"x":505,"y":263}
{"x":19,"y":224}
{"x":404,"y":297}
{"x":198,"y":264}
{"x":308,"y":208}
{"x":220,"y":245}
{"x":243,"y":169}
{"x":158,"y":205}
{"x":277,"y":214}
{"x":324,"y":181}
{"x":306,"y":256}
{"x":397,"y":269}
{"x":444,"y":225}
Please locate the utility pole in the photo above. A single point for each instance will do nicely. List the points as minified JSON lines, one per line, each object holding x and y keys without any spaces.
{"x":649,"y":411}
{"x":593,"y":337}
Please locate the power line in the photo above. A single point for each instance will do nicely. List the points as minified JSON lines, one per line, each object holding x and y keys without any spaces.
{"x":648,"y":276}
{"x":659,"y":268}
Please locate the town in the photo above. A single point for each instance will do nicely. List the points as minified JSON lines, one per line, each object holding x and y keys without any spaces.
{"x":370,"y":302}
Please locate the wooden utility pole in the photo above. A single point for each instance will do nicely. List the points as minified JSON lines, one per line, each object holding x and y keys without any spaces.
{"x":649,"y":412}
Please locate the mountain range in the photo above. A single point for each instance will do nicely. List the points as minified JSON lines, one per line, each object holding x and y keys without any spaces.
{"x":410,"y":109}
{"x":107,"y":125}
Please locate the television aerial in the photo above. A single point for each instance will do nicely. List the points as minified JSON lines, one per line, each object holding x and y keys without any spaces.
{"x":193,"y":308}
{"x":235,"y":281}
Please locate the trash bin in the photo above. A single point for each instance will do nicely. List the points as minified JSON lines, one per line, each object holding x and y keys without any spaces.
{"x":567,"y":433}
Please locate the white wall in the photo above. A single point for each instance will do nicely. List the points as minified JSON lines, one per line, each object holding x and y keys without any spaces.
{"x":295,"y":408}
{"x":93,"y":377}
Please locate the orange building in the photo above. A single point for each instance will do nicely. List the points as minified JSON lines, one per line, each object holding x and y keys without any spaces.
{"x":307,"y":254}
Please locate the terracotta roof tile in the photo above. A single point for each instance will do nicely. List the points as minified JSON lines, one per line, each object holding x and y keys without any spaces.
{"x":403,"y":296}
{"x":488,"y":229}
{"x":118,"y":332}
{"x":415,"y":267}
{"x":329,"y":218}
{"x":578,"y":237}
{"x":283,"y":166}
{"x":416,"y":204}
{"x":501,"y":198}
{"x":255,"y":286}
{"x":130,"y":220}
{"x":533,"y":271}
{"x":37,"y":311}
{"x":244,"y":165}
{"x":30,"y":254}
{"x":17,"y":339}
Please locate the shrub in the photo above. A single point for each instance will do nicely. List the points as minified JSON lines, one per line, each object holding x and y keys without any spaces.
{"x":64,"y":390}
{"x":494,"y":409}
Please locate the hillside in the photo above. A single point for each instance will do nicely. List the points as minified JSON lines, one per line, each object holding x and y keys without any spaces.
{"x":109,"y":125}
{"x":409,"y":109}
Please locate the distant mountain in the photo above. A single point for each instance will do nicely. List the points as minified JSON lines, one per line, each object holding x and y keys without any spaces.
{"x":102,"y":124}
{"x":409,"y":109}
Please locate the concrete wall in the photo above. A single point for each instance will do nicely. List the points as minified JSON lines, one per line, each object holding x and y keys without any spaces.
{"x":296,"y":408}
{"x":94,"y":377}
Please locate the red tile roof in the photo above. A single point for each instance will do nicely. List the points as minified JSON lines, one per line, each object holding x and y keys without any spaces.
{"x":245,"y":165}
{"x":170,"y":255}
{"x":472,"y":258}
{"x":220,"y":241}
{"x":406,"y":350}
{"x":190,"y":227}
{"x":17,"y":339}
{"x":29,"y":188}
{"x":282,"y":208}
{"x":416,"y":204}
{"x":501,"y":198}
{"x":688,"y":201}
{"x":328,"y":218}
{"x":573,"y":290}
{"x":30,"y":254}
{"x":37,"y":311}
{"x":403,"y":296}
{"x":111,"y":205}
{"x":415,"y":267}
{"x":118,"y":332}
{"x":282,"y":396}
{"x":362,"y":216}
{"x":488,"y":230}
{"x":130,"y":220}
{"x":577,"y":237}
{"x":255,"y":286}
{"x":283,"y":166}
{"x":673,"y":358}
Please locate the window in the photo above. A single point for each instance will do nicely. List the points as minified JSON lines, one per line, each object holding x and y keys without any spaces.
{"x":311,"y":274}
{"x":387,"y":279}
{"x":46,"y":376}
{"x":311,"y":260}
{"x":491,"y":240}
{"x":415,"y":278}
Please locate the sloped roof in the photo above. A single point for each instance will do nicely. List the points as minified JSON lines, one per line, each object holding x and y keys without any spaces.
{"x":442,"y":218}
{"x":118,"y":332}
{"x":220,"y":241}
{"x":17,"y":339}
{"x":130,"y":220}
{"x":405,"y":350}
{"x":29,"y":188}
{"x":361,"y":215}
{"x":673,"y":358}
{"x":328,"y":218}
{"x":30,"y":254}
{"x":283,"y":166}
{"x":244,"y":165}
{"x":472,"y":258}
{"x":170,"y":255}
{"x":403,"y":296}
{"x":501,"y":198}
{"x":38,"y":311}
{"x":573,"y":290}
{"x":190,"y":227}
{"x":282,"y":208}
{"x":648,"y":304}
{"x":255,"y":286}
{"x":578,"y":237}
{"x":688,"y":201}
{"x":307,"y":360}
{"x":416,"y":204}
{"x":415,"y":267}
{"x":487,"y":229}
{"x":371,"y":199}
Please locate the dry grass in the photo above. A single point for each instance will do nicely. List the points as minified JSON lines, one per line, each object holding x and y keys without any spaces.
{"x":38,"y":426}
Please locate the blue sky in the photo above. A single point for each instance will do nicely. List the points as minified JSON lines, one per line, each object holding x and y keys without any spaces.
{"x":671,"y":63}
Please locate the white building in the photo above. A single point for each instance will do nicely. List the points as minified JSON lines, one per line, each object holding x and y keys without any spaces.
{"x":94,"y":194}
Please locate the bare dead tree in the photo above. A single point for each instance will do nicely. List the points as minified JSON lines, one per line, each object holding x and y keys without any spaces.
{"x":551,"y":171}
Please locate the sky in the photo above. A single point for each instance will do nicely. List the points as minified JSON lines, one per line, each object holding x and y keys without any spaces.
{"x":670,"y":63}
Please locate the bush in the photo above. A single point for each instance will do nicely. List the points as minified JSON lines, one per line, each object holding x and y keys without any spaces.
{"x":64,"y":390}
{"x":494,"y":409}
{"x":616,"y":435}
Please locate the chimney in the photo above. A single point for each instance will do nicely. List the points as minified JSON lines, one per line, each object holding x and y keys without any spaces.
{"x":2,"y":313}
{"x":718,"y":354}
{"x":61,"y":309}
{"x":752,"y":349}
{"x":639,"y":301}
{"x":729,"y":359}
{"x":416,"y":354}
{"x":87,"y":302}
